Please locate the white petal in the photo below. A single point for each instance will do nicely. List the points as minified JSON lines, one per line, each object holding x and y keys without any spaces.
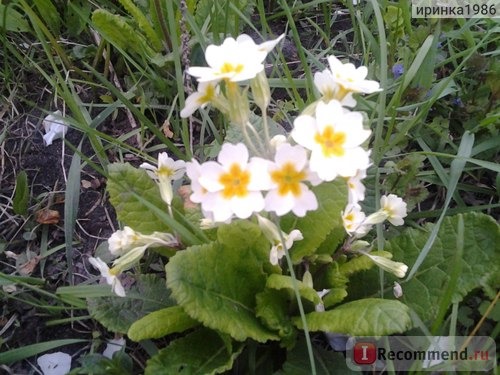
{"x":259,"y":174}
{"x":304,"y":131}
{"x":112,"y":347}
{"x":287,"y":153}
{"x":230,"y":154}
{"x":305,"y":202}
{"x":244,"y":207}
{"x":279,"y":204}
{"x":58,"y":363}
{"x":210,"y":175}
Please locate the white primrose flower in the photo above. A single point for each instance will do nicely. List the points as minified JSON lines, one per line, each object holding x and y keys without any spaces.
{"x":328,"y":88}
{"x":288,"y":191}
{"x":334,"y":137}
{"x":58,"y":363}
{"x":353,"y":219}
{"x":398,"y":269}
{"x":168,"y":170}
{"x":355,"y":188}
{"x":234,"y":60}
{"x":207,"y":91}
{"x":392,"y":208}
{"x":124,"y":241}
{"x":109,"y":274}
{"x":233,"y":184}
{"x":351,"y":79}
{"x":272,"y":233}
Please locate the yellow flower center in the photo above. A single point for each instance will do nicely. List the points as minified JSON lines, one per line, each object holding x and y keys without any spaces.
{"x":331,"y":142}
{"x":349,"y":217}
{"x":207,"y":96}
{"x":288,"y":179}
{"x":235,"y":182}
{"x":230,"y":68}
{"x":164,"y":171}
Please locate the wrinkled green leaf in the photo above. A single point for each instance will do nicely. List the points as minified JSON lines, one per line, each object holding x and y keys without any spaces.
{"x":327,"y":362}
{"x":480,"y":262}
{"x":216,"y":283}
{"x":115,"y":29}
{"x":317,"y":225}
{"x":118,"y":313}
{"x":272,"y":309}
{"x":200,"y":352}
{"x":285,"y":282}
{"x":124,"y":180}
{"x":21,"y":194}
{"x":144,"y":24}
{"x":161,"y":323}
{"x":366,"y":317}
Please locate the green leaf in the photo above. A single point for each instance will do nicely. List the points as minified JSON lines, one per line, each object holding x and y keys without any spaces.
{"x":18,"y":354}
{"x":118,"y":313}
{"x":479,"y":263}
{"x":200,"y":352}
{"x":278,"y":282}
{"x":21,"y":194}
{"x":143,"y":23}
{"x":48,"y":12}
{"x":115,"y":29}
{"x":272,"y":309}
{"x":124,"y":181}
{"x":12,"y":20}
{"x":366,"y":317}
{"x":216,"y":283}
{"x":161,"y":323}
{"x":327,"y":362}
{"x":317,"y":225}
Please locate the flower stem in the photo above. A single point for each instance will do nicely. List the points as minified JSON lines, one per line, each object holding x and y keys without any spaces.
{"x":299,"y":300}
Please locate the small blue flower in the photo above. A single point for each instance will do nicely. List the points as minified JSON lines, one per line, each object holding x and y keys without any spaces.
{"x":398,"y":70}
{"x":458,"y":102}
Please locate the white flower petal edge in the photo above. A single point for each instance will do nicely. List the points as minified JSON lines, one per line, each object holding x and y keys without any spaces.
{"x":111,"y":279}
{"x":58,"y":363}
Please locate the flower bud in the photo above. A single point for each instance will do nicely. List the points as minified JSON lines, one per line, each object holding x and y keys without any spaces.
{"x":260,"y":90}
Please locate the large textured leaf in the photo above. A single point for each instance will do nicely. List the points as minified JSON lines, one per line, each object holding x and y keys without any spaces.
{"x":285,"y":282}
{"x":161,"y":323}
{"x":272,"y":308}
{"x":366,"y":317}
{"x":118,"y":313}
{"x":124,"y":180}
{"x":327,"y":362}
{"x":143,"y":23}
{"x":201,"y":352}
{"x":479,"y":264}
{"x":115,"y":29}
{"x":317,"y":225}
{"x":217,"y":283}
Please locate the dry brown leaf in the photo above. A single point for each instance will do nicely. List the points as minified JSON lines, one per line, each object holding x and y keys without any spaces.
{"x":166,"y":129}
{"x":185,"y":192}
{"x":86,"y":184}
{"x":27,"y":268}
{"x":46,"y":216}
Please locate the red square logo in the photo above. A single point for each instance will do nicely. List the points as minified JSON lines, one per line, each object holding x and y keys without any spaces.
{"x":365,"y":353}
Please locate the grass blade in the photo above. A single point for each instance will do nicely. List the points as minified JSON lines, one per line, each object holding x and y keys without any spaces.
{"x":18,"y":354}
{"x":71,"y":202}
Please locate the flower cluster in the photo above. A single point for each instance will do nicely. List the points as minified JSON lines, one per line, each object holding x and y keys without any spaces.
{"x":267,"y":177}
